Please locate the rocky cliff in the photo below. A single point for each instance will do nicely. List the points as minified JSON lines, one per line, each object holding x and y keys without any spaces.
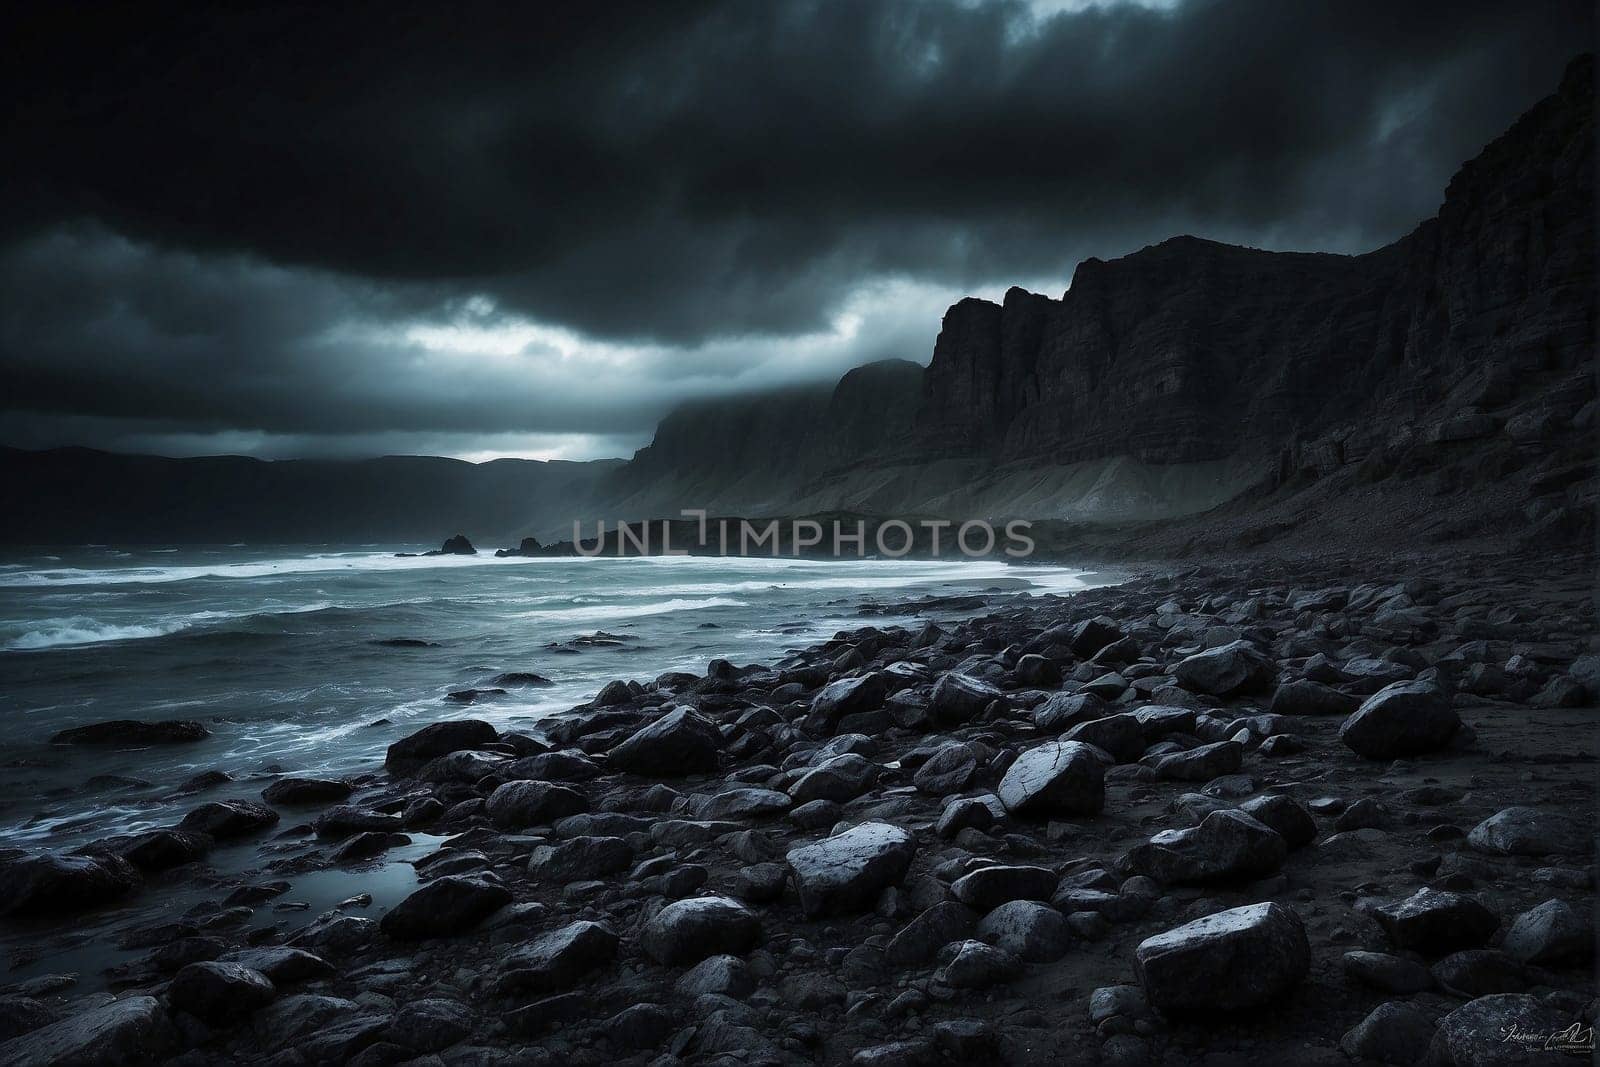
{"x":1200,"y":365}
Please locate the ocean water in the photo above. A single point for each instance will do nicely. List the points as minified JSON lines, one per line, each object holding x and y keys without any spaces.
{"x":282,"y":653}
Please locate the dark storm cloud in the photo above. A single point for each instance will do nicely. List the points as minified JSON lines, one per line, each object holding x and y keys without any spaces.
{"x":211,"y":215}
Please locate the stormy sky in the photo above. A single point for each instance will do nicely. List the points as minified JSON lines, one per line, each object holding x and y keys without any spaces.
{"x":482,"y":230}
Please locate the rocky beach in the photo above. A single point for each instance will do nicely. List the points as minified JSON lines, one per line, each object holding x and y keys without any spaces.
{"x":1316,"y":810}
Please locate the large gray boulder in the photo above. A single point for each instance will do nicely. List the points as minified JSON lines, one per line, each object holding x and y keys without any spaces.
{"x":123,"y":1033}
{"x":840,"y":779}
{"x":1508,"y":1030}
{"x":1228,"y":845}
{"x":959,"y":698}
{"x":1436,"y":921}
{"x":1236,"y":959}
{"x":445,"y":907}
{"x":680,"y":742}
{"x":555,"y":961}
{"x":847,"y":872}
{"x":687,"y":931}
{"x":515,"y":805}
{"x":439,"y":739}
{"x":1401,"y":720}
{"x":1055,"y":778}
{"x":1230,"y":670}
{"x":1521,"y":831}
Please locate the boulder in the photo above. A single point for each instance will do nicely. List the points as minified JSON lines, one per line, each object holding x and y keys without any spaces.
{"x":959,"y":698}
{"x":133,"y":733}
{"x":228,"y":819}
{"x":1395,"y":1033}
{"x":687,"y":931}
{"x":1228,"y":845}
{"x":1551,"y":935}
{"x":1401,"y":720}
{"x":1233,"y":960}
{"x":1305,"y":697}
{"x":295,"y":791}
{"x":680,"y":742}
{"x":840,"y":779}
{"x":430,"y":1024}
{"x":1390,"y":974}
{"x":933,"y":928}
{"x":951,"y":769}
{"x":439,"y":739}
{"x":220,"y":993}
{"x":988,"y":887}
{"x":122,"y":1033}
{"x":162,"y":850}
{"x":1055,"y":778}
{"x":1284,"y":814}
{"x":1037,"y":672}
{"x":1521,"y":831}
{"x":1121,"y":735}
{"x":581,"y":859}
{"x":745,"y":804}
{"x":1029,"y":930}
{"x":1063,"y":710}
{"x":975,"y":965}
{"x":847,"y":872}
{"x":516,"y":805}
{"x":448,"y":905}
{"x":1232,"y":669}
{"x":467,"y":767}
{"x":1091,"y":635}
{"x":847,"y":696}
{"x":555,"y":961}
{"x":1507,"y":1030}
{"x":50,"y":884}
{"x":1201,"y":764}
{"x":1436,"y":921}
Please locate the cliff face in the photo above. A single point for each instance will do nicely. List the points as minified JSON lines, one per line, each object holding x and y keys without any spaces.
{"x":1191,"y":350}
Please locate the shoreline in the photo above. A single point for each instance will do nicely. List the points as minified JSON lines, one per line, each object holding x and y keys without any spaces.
{"x":635,"y":853}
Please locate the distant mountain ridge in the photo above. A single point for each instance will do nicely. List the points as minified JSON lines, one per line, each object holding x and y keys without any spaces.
{"x":1160,"y":384}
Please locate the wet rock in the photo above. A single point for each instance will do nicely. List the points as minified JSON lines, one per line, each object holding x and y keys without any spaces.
{"x":989,"y":887}
{"x":847,"y":871}
{"x":722,"y":975}
{"x":516,"y":805}
{"x":348,"y":819}
{"x":1036,"y":671}
{"x":133,"y":733}
{"x":687,"y":931}
{"x":1395,"y":1033}
{"x":1229,"y":670}
{"x":1499,"y":1030}
{"x":1436,"y":921}
{"x":21,"y":1015}
{"x":321,"y":1028}
{"x":612,"y":694}
{"x":560,"y":766}
{"x":1391,"y":974}
{"x":1202,"y":763}
{"x":840,"y":779}
{"x":294,"y":791}
{"x":220,"y":993}
{"x":441,"y":738}
{"x":975,"y":965}
{"x":1479,"y":971}
{"x":640,"y":1026}
{"x":1236,"y":959}
{"x":124,"y":1032}
{"x":1063,"y":710}
{"x":920,"y":939}
{"x":1523,"y":831}
{"x":446,"y":906}
{"x":556,"y":960}
{"x":959,"y":698}
{"x":1550,"y":935}
{"x":680,"y":742}
{"x":1285,"y":815}
{"x":161,"y":850}
{"x":228,"y":819}
{"x":431,"y":1024}
{"x":1033,"y":932}
{"x":1402,"y":720}
{"x":581,"y":859}
{"x":466,"y":767}
{"x":281,"y":964}
{"x":1228,"y":845}
{"x":951,"y":769}
{"x":1090,"y":636}
{"x":846,"y":697}
{"x":1121,"y":735}
{"x":745,"y":804}
{"x":50,"y":884}
{"x":1306,"y":697}
{"x":1055,"y":778}
{"x":364,"y":846}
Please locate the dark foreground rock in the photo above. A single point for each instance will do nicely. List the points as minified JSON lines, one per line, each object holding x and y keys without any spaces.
{"x":1233,"y":960}
{"x":133,"y":733}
